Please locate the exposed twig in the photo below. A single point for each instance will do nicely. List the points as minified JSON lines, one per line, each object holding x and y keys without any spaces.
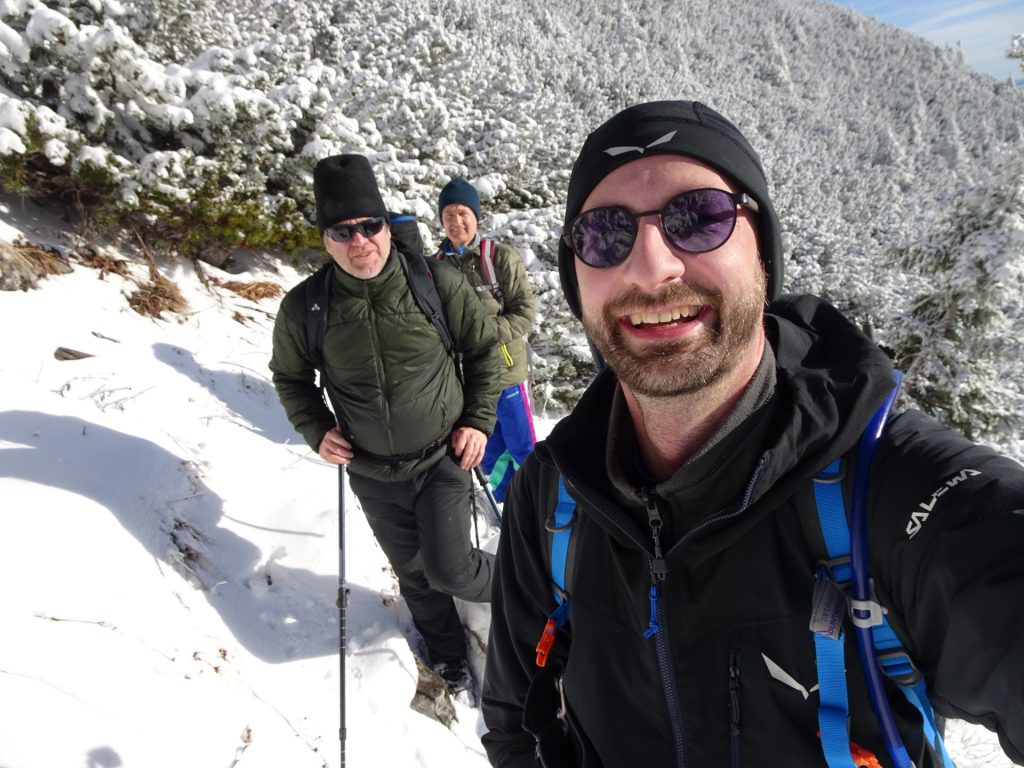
{"x":246,"y":741}
{"x":98,"y":623}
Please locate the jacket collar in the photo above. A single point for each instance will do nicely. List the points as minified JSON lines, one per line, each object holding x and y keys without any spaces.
{"x":449,"y":250}
{"x":830,"y":379}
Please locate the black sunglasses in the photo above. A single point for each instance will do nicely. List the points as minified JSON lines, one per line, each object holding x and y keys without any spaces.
{"x":697,"y":221}
{"x":342,"y":233}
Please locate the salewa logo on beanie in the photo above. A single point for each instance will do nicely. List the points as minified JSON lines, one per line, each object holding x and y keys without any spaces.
{"x":685,"y":128}
{"x":616,"y":151}
{"x":344,"y":188}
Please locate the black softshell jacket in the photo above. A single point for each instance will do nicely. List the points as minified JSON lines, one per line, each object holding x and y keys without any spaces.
{"x":736,"y":601}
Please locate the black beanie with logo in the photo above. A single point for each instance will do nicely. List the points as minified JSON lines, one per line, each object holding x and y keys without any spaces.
{"x":685,"y":128}
{"x":344,"y":188}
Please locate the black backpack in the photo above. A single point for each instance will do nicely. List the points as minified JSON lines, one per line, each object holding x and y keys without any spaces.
{"x":405,"y":232}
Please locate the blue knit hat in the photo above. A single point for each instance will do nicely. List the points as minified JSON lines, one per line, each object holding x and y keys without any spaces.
{"x":459,"y":191}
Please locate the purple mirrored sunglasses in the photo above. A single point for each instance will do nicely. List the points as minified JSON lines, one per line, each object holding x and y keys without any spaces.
{"x":696,"y":221}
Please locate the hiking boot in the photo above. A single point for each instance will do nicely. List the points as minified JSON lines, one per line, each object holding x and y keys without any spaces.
{"x":458,"y":679}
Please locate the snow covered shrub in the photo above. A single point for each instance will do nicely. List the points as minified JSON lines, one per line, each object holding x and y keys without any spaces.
{"x":1017,"y":50}
{"x":962,"y":341}
{"x":179,"y":154}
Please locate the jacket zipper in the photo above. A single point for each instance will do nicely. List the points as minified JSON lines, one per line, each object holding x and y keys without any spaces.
{"x":658,"y":626}
{"x":734,"y":706}
{"x":659,"y":631}
{"x":381,"y":374}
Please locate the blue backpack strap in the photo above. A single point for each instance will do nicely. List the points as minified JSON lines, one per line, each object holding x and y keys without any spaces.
{"x":879,"y":647}
{"x":828,"y":609}
{"x":564,"y":514}
{"x":561,"y":570}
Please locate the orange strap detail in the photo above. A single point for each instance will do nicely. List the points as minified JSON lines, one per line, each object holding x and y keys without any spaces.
{"x":547,"y":639}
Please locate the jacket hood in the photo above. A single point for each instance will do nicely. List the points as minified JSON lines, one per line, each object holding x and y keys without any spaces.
{"x":830,"y":380}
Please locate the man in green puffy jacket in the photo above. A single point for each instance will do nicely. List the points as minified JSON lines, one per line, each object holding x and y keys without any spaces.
{"x":406,"y":426}
{"x":497,"y":273}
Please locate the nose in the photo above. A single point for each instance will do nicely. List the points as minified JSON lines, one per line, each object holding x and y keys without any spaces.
{"x":652,"y":263}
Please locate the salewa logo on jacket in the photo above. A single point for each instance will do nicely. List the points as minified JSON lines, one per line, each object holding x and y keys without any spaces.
{"x":920,"y":515}
{"x":616,"y":151}
{"x":787,"y":679}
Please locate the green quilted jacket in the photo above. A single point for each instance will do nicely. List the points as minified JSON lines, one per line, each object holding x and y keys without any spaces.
{"x":390,"y":381}
{"x":516,"y":318}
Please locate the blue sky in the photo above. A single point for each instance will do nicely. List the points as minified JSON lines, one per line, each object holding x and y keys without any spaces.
{"x":984,"y":28}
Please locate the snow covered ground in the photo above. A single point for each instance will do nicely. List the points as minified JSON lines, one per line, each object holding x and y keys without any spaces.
{"x":170,"y":549}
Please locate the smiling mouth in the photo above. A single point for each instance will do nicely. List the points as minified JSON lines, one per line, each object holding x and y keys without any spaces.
{"x":666,"y":318}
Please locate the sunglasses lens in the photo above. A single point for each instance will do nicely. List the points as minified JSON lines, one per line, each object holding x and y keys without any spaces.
{"x":700,"y":220}
{"x":371,"y":227}
{"x":342,"y":233}
{"x":603,"y":237}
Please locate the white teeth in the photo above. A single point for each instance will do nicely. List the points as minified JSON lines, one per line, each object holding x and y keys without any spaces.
{"x":666,"y":316}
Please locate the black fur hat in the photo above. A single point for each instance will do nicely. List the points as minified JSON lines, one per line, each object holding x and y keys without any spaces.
{"x":344,"y":188}
{"x":672,"y":128}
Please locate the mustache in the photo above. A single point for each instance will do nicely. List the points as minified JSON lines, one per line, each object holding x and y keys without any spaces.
{"x":677,"y":293}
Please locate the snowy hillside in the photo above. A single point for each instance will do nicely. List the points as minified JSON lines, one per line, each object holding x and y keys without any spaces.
{"x":897,"y":170}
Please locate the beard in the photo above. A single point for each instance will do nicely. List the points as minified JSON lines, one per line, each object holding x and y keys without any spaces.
{"x":669,"y":368}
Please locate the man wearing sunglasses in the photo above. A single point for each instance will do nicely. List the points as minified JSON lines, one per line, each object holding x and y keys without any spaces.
{"x":677,"y":630}
{"x":403,"y":422}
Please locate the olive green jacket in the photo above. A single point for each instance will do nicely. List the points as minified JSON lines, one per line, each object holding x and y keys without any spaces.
{"x":515,"y":320}
{"x":391,"y":383}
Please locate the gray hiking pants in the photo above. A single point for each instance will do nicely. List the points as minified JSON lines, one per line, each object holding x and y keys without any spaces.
{"x":422,"y":524}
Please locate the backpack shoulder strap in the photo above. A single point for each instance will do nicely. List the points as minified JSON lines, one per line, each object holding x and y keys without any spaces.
{"x":318,"y":299}
{"x":560,"y":539}
{"x":487,"y":246}
{"x":424,"y":292}
{"x":560,"y":523}
{"x":846,"y":568}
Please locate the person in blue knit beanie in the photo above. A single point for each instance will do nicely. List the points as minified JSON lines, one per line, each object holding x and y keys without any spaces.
{"x":497,"y":273}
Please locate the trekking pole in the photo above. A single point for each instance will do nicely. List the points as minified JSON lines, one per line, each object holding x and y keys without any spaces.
{"x":492,"y":502}
{"x":476,"y":517}
{"x":342,"y":599}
